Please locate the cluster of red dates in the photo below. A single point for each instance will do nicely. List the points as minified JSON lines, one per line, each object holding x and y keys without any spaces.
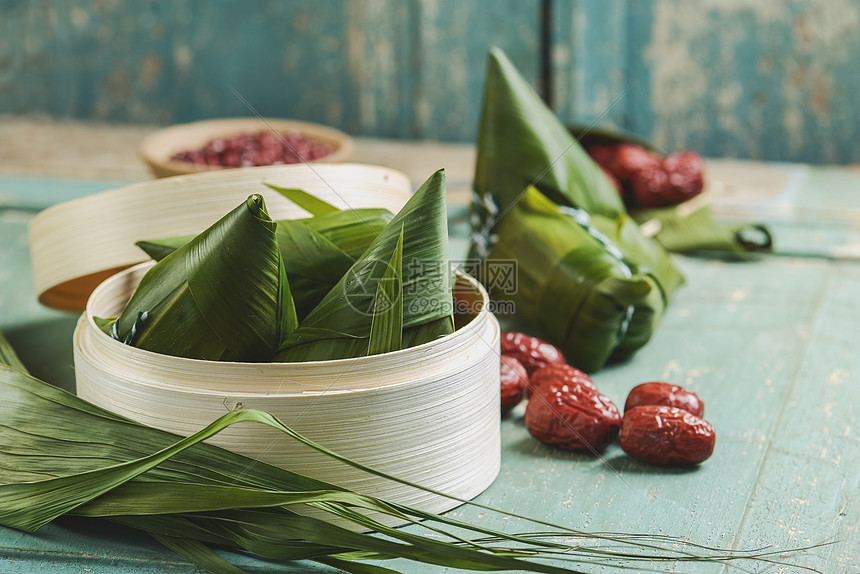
{"x":645,"y":179}
{"x":662,"y":422}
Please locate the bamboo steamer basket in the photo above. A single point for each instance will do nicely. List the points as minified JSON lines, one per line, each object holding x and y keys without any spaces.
{"x":157,"y":149}
{"x":428,"y":414}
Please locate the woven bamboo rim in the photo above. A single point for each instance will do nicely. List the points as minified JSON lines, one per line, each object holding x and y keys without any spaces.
{"x":76,"y":245}
{"x":429,"y":414}
{"x":157,"y":148}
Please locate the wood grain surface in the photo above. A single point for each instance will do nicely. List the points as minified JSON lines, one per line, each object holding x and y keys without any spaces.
{"x":769,"y":344}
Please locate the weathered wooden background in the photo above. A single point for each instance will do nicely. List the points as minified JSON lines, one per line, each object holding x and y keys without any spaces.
{"x":764,"y":79}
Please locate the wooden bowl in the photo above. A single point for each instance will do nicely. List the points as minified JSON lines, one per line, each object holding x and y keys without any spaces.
{"x":157,"y":148}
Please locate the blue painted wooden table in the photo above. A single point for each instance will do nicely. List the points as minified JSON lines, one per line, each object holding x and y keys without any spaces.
{"x":770,"y":345}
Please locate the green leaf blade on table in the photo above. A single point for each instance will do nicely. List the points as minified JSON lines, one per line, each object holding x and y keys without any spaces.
{"x":216,"y":297}
{"x":34,"y":407}
{"x":8,"y":356}
{"x":339,"y":327}
{"x":199,"y":554}
{"x":687,"y":228}
{"x":386,"y":326}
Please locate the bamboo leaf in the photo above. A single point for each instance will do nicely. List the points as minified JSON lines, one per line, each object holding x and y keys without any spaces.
{"x":352,"y":230}
{"x":158,"y":249}
{"x":287,"y":316}
{"x":31,"y":407}
{"x":198,"y":553}
{"x":312,"y":262}
{"x":386,"y":326}
{"x":8,"y":356}
{"x":316,"y":252}
{"x":339,"y":327}
{"x":574,"y":288}
{"x":696,"y":231}
{"x":308,"y":202}
{"x":216,"y":297}
{"x":589,"y":135}
{"x":522,"y":143}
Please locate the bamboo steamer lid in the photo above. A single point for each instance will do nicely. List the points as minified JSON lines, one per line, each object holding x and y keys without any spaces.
{"x":76,"y":245}
{"x":428,"y":414}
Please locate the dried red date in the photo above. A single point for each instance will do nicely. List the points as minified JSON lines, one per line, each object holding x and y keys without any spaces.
{"x":554,"y":375}
{"x":686,"y":176}
{"x":532,"y":352}
{"x":514,"y":380}
{"x":647,"y":180}
{"x":572,"y":417}
{"x":666,"y":394}
{"x":666,"y":435}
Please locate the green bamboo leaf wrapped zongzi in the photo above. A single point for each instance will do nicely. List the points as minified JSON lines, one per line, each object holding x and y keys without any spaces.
{"x":222,"y":296}
{"x":522,"y":143}
{"x":579,"y":289}
{"x":339,"y":327}
{"x":316,"y":251}
{"x":541,"y":201}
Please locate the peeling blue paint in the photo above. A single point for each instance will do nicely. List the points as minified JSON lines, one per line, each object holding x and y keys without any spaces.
{"x":766,"y":79}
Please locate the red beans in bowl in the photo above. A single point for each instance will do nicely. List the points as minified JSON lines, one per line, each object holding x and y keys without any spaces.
{"x":260,"y":148}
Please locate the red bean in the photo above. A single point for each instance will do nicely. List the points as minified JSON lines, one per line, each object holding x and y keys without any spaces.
{"x":666,"y":435}
{"x":261,"y":148}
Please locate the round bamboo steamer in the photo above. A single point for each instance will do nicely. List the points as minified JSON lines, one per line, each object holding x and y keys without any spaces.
{"x":76,"y":245}
{"x":157,"y":148}
{"x":428,"y":414}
